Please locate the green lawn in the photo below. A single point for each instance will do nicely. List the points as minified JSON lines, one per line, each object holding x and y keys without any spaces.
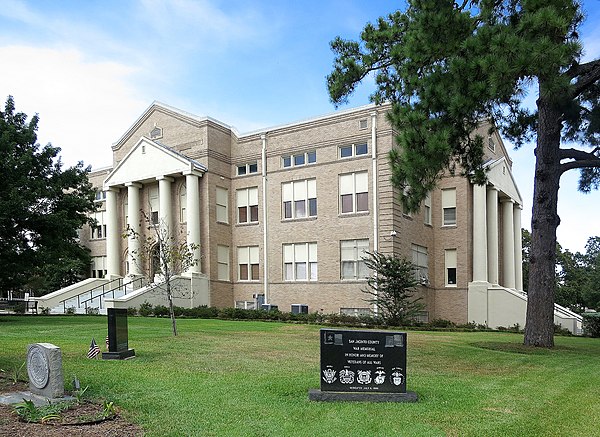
{"x":226,"y":378}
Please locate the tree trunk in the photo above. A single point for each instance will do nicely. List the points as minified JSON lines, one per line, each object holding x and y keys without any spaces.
{"x":171,"y":310}
{"x":539,"y":328}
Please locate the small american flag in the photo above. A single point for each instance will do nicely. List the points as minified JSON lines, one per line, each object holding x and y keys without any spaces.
{"x":94,"y":350}
{"x":107,"y":342}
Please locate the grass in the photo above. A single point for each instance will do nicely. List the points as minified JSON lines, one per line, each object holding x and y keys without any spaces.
{"x":227,"y":378}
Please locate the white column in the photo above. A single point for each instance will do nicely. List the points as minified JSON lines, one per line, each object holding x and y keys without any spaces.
{"x":192,"y":211}
{"x":263,"y":164}
{"x":492,"y":234}
{"x":165,"y":205}
{"x":113,"y":262}
{"x":508,"y":246}
{"x":518,"y":248}
{"x":133,"y":221}
{"x":480,"y":260}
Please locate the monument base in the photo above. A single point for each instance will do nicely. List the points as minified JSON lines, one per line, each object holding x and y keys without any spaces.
{"x":338,"y":396}
{"x":121,"y":355}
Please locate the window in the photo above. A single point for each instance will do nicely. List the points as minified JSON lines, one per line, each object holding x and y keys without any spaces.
{"x":222,"y":205}
{"x":299,"y":159}
{"x":247,"y":168}
{"x":450,"y":262}
{"x":100,"y":196}
{"x":182,"y":204}
{"x":353,"y":150}
{"x":98,"y":267}
{"x":98,"y":230}
{"x":491,"y":144}
{"x":354,"y":192}
{"x":223,"y":263}
{"x":299,"y":199}
{"x":153,"y":201}
{"x":427,"y":209}
{"x":449,"y":207}
{"x":248,"y":263}
{"x":247,"y":204}
{"x":156,"y":133}
{"x":420,"y":261}
{"x":300,"y":262}
{"x":351,"y":253}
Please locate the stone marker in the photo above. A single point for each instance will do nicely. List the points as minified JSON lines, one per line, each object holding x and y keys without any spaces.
{"x":118,"y":338}
{"x":44,"y":368}
{"x":360,"y":365}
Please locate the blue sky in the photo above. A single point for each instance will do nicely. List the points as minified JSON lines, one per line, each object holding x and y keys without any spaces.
{"x":90,"y":68}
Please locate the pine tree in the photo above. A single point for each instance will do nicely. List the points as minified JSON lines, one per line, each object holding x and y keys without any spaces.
{"x":445,"y":66}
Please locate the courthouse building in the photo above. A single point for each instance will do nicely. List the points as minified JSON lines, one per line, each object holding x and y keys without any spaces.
{"x":282,"y":216}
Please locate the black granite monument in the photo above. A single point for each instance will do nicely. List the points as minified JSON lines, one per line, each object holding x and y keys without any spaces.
{"x":118,"y":339}
{"x":363,"y":366}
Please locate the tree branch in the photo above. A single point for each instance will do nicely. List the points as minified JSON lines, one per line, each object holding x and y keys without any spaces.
{"x":587,"y":75}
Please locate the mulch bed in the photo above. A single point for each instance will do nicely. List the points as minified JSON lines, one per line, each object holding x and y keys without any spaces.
{"x":80,"y":420}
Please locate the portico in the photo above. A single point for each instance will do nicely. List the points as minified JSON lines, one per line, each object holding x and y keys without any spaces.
{"x":148,"y":164}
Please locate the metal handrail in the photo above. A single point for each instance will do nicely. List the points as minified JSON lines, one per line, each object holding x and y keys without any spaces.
{"x":103,"y":292}
{"x":124,"y":285}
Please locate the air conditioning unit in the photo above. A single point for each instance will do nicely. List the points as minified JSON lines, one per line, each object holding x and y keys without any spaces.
{"x":259,"y":300}
{"x":424,"y":280}
{"x":299,"y":308}
{"x":269,"y":307}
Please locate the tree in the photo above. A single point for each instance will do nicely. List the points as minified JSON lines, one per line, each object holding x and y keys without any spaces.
{"x":172,"y":255}
{"x":392,"y":287}
{"x":445,"y":66}
{"x":42,"y":207}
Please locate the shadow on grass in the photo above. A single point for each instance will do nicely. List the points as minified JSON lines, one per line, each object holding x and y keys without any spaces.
{"x":517,"y":348}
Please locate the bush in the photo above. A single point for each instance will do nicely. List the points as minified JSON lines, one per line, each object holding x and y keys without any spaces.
{"x":132,"y":311}
{"x":92,"y":311}
{"x":44,"y":311}
{"x":70,"y":311}
{"x":161,"y":311}
{"x":441,"y":323}
{"x":145,"y":309}
{"x":20,"y":308}
{"x":591,"y":324}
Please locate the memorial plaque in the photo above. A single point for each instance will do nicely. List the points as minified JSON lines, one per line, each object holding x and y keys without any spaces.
{"x":44,"y":368}
{"x":363,"y":361}
{"x":118,"y":336}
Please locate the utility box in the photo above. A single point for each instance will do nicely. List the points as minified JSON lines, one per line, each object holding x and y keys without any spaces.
{"x":299,"y":308}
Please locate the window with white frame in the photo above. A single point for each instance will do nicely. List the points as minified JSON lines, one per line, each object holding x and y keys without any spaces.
{"x":98,"y":267}
{"x":300,"y":262}
{"x":491,"y":144}
{"x":222,"y":205}
{"x":249,"y":168}
{"x":247,"y":205}
{"x":421,"y":263}
{"x":354,"y":192}
{"x":153,"y":201}
{"x":299,"y":159}
{"x":222,"y":263}
{"x":450,"y":264}
{"x":182,"y":203}
{"x":98,"y":230}
{"x":100,"y":195}
{"x":427,"y":209}
{"x":248,"y":266}
{"x":449,"y":207}
{"x":352,"y":264}
{"x":299,"y":199}
{"x":353,"y":150}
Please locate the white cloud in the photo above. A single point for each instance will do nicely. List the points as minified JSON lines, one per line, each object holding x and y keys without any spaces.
{"x":84,"y":106}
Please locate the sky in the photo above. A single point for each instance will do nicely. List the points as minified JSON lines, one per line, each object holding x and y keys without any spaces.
{"x":91,"y":68}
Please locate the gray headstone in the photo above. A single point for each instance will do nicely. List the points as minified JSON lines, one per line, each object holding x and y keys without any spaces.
{"x":44,"y":368}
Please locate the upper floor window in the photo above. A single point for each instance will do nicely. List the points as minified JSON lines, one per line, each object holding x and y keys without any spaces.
{"x":421,"y":263}
{"x":299,"y":159}
{"x":491,"y":144}
{"x":222,"y":205}
{"x":248,"y":266}
{"x":98,"y":230}
{"x":353,"y":150}
{"x":299,"y":199}
{"x":427,"y":209}
{"x":153,"y":201}
{"x":300,"y":262}
{"x":182,"y":204}
{"x":247,"y":168}
{"x":351,"y":253}
{"x":100,"y":195}
{"x":354,"y":192}
{"x":449,"y":207}
{"x":247,"y":205}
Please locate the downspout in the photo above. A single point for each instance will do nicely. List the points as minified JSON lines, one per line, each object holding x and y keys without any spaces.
{"x":263,"y":137}
{"x":375,"y":193}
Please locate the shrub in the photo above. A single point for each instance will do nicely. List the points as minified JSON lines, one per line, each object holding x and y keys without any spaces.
{"x":591,"y":324}
{"x":44,"y":311}
{"x":161,"y":311}
{"x":70,"y":311}
{"x":92,"y":311}
{"x":132,"y":311}
{"x":442,"y":323}
{"x":145,"y":309}
{"x":20,"y":308}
